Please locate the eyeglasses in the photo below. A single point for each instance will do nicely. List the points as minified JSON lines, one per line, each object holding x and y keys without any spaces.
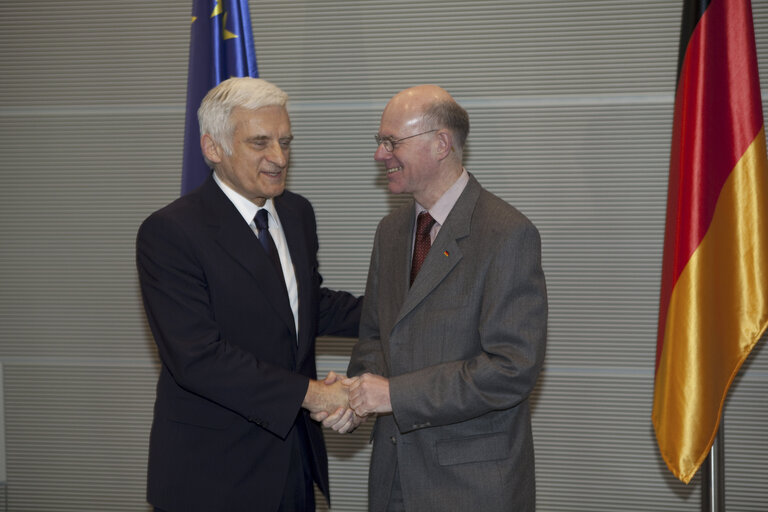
{"x":389,"y":143}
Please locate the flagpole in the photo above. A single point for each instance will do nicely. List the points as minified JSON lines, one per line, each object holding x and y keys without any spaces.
{"x":713,"y":476}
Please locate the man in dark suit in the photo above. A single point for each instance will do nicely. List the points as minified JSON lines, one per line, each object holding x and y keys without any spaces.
{"x":453,"y":331}
{"x":230,"y":282}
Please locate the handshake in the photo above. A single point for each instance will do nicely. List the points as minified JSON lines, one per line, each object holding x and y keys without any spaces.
{"x":342,"y":403}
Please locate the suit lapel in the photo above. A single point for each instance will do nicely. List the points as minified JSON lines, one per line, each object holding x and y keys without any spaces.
{"x":395,"y":258}
{"x":445,"y":252}
{"x":237,"y":239}
{"x":290,"y":220}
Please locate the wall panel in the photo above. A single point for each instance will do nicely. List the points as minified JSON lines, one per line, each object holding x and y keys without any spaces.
{"x":571,"y":107}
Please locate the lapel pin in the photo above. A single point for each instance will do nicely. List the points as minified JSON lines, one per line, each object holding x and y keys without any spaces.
{"x":446,"y":253}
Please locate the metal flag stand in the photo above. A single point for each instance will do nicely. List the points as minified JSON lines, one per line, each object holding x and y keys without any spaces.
{"x":713,"y":476}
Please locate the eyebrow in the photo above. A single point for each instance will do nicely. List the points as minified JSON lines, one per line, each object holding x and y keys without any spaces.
{"x":262,"y":138}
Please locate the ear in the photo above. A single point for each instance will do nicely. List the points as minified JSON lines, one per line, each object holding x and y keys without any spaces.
{"x":444,"y":144}
{"x":211,"y":149}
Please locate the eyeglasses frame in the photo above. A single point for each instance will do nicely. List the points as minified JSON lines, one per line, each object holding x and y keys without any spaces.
{"x":389,"y":144}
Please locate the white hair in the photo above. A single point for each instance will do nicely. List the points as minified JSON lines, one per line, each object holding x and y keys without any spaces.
{"x":217,"y":106}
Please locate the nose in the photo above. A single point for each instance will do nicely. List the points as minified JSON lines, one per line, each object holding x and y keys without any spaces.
{"x":381,"y":154}
{"x":277,"y":154}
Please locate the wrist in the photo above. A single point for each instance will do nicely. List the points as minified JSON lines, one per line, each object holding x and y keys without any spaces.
{"x":311,"y":397}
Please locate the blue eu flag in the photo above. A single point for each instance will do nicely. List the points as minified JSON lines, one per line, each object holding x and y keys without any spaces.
{"x":220,"y":47}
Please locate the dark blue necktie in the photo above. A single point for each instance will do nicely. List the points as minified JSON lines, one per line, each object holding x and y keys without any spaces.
{"x":262,"y":224}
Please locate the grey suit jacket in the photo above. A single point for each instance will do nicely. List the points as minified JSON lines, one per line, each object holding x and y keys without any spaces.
{"x":462,"y":348}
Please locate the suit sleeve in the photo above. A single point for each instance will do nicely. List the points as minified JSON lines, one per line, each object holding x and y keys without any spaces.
{"x":511,"y":325}
{"x":338,"y":312}
{"x":191,"y":346}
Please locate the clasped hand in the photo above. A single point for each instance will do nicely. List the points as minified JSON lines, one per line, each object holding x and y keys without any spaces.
{"x":367,"y":394}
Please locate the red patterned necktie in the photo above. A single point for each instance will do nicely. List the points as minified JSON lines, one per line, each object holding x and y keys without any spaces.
{"x":423,"y":242}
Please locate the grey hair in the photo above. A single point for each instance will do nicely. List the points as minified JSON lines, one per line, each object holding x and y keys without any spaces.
{"x":217,"y":106}
{"x":448,"y":114}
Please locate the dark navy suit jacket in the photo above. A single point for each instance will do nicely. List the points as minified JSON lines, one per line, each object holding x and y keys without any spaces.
{"x":233,"y":376}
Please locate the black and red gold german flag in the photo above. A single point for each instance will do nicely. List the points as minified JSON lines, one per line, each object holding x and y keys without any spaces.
{"x":714,"y":289}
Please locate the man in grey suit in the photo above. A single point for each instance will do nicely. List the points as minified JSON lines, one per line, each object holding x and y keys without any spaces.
{"x":449,"y":360}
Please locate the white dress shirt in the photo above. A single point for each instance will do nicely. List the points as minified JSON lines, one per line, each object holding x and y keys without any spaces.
{"x":248,"y":210}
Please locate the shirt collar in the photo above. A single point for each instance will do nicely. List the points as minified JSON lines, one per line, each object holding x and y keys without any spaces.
{"x":444,"y":205}
{"x":246,"y":208}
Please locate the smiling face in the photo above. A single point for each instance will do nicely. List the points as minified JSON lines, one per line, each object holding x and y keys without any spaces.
{"x":424,"y":165}
{"x":411,"y":166}
{"x":261,"y":147}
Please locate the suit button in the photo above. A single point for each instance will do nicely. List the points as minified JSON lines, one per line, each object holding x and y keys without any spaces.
{"x":393,"y":439}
